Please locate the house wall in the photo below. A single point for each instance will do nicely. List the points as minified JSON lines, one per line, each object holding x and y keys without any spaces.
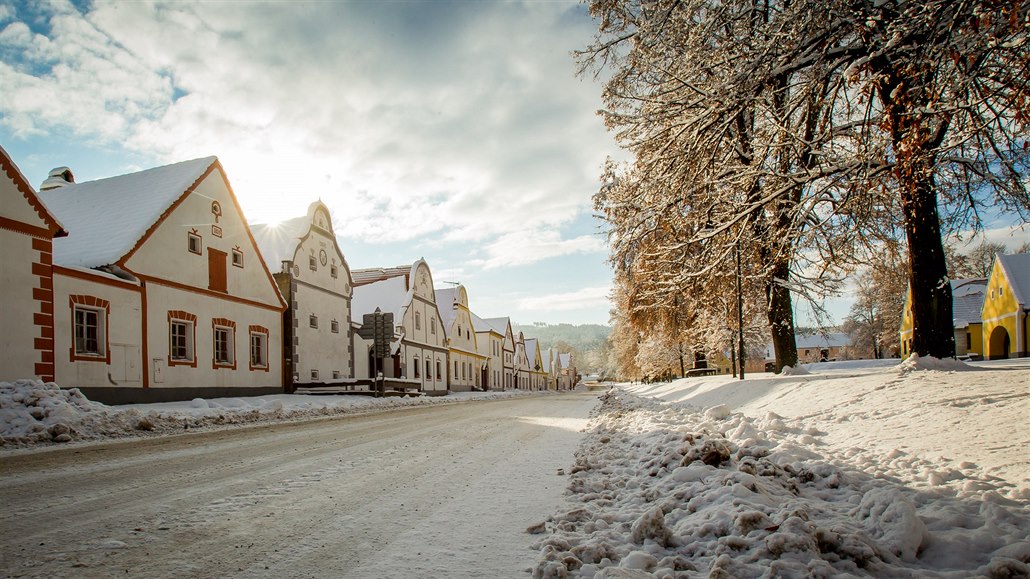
{"x":25,"y":280}
{"x":509,"y":359}
{"x":427,"y":340}
{"x":121,"y":364}
{"x":1001,"y":312}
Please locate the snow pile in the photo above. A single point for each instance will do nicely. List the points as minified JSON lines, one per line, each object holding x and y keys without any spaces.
{"x":914,"y":362}
{"x":791,"y":371}
{"x":665,"y":490}
{"x":34,"y":412}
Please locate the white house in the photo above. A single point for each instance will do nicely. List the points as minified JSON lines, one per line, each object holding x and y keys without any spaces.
{"x":468,"y":367}
{"x":27,"y":230}
{"x":491,"y":340}
{"x":522,"y":366}
{"x":537,"y":373}
{"x":161,"y":293}
{"x":418,"y":350}
{"x":315,"y":280}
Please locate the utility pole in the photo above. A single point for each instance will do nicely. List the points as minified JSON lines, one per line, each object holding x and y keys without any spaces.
{"x":740,"y":314}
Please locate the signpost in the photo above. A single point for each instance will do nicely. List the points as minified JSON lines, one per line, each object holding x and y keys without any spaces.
{"x":378,"y":327}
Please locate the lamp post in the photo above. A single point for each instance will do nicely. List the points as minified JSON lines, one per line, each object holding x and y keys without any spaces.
{"x":740,"y":314}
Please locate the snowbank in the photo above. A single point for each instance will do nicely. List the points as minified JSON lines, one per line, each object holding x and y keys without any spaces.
{"x":34,"y":412}
{"x":667,"y":490}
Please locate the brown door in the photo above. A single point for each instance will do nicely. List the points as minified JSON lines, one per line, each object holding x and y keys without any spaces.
{"x":216,"y":270}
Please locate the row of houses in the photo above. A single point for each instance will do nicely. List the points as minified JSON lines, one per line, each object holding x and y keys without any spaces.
{"x":152,"y":286}
{"x":990,"y":313}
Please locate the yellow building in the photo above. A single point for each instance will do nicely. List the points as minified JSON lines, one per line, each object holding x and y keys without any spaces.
{"x":967,"y":298}
{"x":1006,"y":307}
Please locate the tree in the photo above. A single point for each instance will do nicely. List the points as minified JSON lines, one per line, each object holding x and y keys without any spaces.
{"x":875,"y":318}
{"x":793,"y":128}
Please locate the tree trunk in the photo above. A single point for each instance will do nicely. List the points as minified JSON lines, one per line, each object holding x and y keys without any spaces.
{"x":781,"y":316}
{"x":933,"y":327}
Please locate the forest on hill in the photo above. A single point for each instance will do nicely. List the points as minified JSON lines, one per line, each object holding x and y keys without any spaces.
{"x":586,"y":342}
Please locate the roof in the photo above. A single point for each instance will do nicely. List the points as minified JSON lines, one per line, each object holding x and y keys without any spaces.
{"x":445,"y":299}
{"x":389,"y":295}
{"x":374,"y":274}
{"x":479,"y":325}
{"x":531,"y":346}
{"x":23,"y":187}
{"x":828,"y":340}
{"x":107,"y":217}
{"x":278,"y":242}
{"x":967,"y":300}
{"x":1017,"y":270}
{"x":545,"y":360}
{"x":565,"y":360}
{"x":499,"y":325}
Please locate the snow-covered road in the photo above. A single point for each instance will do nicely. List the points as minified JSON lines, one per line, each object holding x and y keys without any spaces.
{"x":445,"y":491}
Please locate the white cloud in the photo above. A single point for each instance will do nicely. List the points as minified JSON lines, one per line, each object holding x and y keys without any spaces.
{"x":455,"y":120}
{"x":528,"y":247}
{"x":589,"y":297}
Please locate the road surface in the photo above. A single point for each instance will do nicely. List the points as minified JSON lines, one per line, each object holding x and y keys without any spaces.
{"x":440,"y":491}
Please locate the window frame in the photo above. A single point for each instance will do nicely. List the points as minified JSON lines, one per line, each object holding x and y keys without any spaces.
{"x":228,"y":327}
{"x":189,"y":323}
{"x":334,"y":326}
{"x":313,"y":321}
{"x":261,"y":334}
{"x":194,"y":238}
{"x":237,"y":253}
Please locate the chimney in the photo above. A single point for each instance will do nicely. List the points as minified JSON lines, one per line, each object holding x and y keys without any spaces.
{"x":59,"y":177}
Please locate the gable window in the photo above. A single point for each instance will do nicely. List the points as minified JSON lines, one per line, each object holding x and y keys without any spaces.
{"x":193,"y":242}
{"x":258,"y":348}
{"x":418,"y":321}
{"x":224,"y":339}
{"x":90,"y":317}
{"x":182,"y":333}
{"x":313,"y":321}
{"x":312,"y":263}
{"x":314,"y":375}
{"x":217,"y":278}
{"x":237,"y":257}
{"x":334,"y":271}
{"x":432,"y":325}
{"x":334,"y":327}
{"x":336,"y":374}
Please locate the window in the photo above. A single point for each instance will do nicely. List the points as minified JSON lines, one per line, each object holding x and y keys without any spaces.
{"x":217,"y":278}
{"x":439,"y":374}
{"x":87,"y":332}
{"x":432,"y":325}
{"x":237,"y":257}
{"x":418,"y":321}
{"x":193,"y":242}
{"x":463,"y":370}
{"x":336,"y":374}
{"x":969,"y":341}
{"x":182,"y":332}
{"x":334,"y":271}
{"x":314,"y":375}
{"x":334,"y":327}
{"x":416,"y":366}
{"x":455,"y":369}
{"x":312,"y":263}
{"x":313,"y":321}
{"x":429,"y":370}
{"x":258,"y":348}
{"x":223,"y":346}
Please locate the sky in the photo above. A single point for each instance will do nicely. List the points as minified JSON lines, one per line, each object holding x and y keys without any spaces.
{"x":454,"y":131}
{"x":458,"y":132}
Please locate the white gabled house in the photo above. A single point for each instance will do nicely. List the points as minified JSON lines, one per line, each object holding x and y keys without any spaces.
{"x":315,"y":280}
{"x":160,"y":292}
{"x":567,"y":378}
{"x":521,"y":367}
{"x":492,"y":341}
{"x":418,"y":350}
{"x":469,"y":369}
{"x":537,"y":373}
{"x":27,"y":231}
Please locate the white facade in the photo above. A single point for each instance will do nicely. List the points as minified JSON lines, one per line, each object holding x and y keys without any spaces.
{"x":314,"y":278}
{"x":522,"y":367}
{"x":27,"y":229}
{"x":468,"y":367}
{"x":490,"y":342}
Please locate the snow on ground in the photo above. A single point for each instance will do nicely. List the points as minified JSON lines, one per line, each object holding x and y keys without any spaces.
{"x":847,"y":469}
{"x":33,"y":412}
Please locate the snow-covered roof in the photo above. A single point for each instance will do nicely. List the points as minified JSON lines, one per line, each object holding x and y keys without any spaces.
{"x":445,"y":300}
{"x":23,"y":186}
{"x":967,"y":300}
{"x":565,"y":360}
{"x":479,"y":325}
{"x":531,"y":348}
{"x":389,"y":295}
{"x":107,"y":217}
{"x":374,"y":274}
{"x":828,"y":340}
{"x":545,"y":360}
{"x":1017,"y":270}
{"x":499,"y":325}
{"x":278,"y":242}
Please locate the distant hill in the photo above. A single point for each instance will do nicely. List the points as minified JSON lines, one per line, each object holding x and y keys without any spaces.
{"x":583,"y":340}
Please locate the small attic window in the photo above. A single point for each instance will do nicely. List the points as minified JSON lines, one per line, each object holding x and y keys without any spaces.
{"x":193,"y":241}
{"x":334,"y":271}
{"x":237,"y":257}
{"x":312,"y":263}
